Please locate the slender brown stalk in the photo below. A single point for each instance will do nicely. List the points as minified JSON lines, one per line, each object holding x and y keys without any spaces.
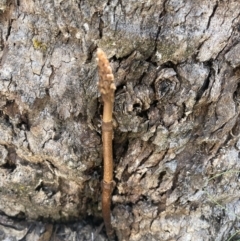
{"x":107,"y":88}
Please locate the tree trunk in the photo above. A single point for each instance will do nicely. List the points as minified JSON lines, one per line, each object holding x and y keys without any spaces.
{"x":176,"y":119}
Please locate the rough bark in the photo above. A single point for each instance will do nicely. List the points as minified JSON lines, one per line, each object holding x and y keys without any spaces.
{"x":176,"y":143}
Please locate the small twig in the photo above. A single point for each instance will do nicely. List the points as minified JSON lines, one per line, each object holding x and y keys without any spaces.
{"x":107,"y":88}
{"x":96,"y":233}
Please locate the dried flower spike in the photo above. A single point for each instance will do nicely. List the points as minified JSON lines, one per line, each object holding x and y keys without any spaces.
{"x":107,"y":88}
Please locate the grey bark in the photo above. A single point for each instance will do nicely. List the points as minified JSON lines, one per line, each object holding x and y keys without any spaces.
{"x":176,"y":142}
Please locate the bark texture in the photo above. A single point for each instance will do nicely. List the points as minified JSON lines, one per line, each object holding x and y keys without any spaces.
{"x":176,"y":115}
